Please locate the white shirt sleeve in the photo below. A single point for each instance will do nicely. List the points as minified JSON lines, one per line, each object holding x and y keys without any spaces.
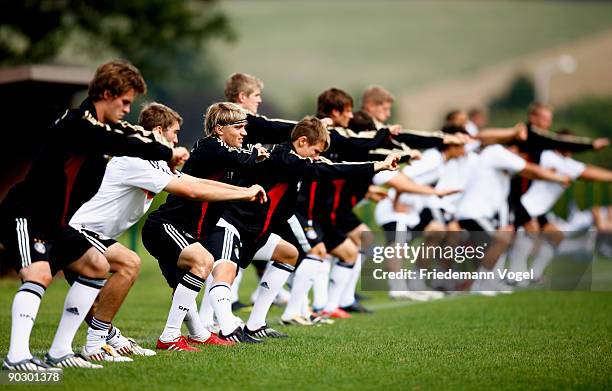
{"x":574,"y":168}
{"x":382,"y":177}
{"x":430,"y":161}
{"x":149,"y":175}
{"x":502,"y":159}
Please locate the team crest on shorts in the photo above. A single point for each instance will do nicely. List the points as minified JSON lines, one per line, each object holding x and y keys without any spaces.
{"x":40,"y":248}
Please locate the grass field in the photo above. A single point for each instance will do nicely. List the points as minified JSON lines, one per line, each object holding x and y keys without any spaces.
{"x":529,"y":340}
{"x":398,"y":44}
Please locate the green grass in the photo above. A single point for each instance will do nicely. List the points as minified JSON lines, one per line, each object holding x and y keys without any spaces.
{"x":300,"y":48}
{"x":534,"y":340}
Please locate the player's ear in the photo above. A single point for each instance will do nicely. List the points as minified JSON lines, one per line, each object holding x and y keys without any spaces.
{"x":242,"y":97}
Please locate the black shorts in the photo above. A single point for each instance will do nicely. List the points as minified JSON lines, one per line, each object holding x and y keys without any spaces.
{"x":521,"y":216}
{"x":225,"y":244}
{"x":165,"y":241}
{"x":97,"y":241}
{"x":24,"y":242}
{"x":300,"y":232}
{"x":481,"y":228}
{"x":347,"y":221}
{"x":396,"y":232}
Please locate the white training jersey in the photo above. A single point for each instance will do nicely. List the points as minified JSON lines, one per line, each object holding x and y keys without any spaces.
{"x":125,"y":195}
{"x":472,"y":130}
{"x":542,"y":195}
{"x":487,"y":189}
{"x":455,"y":175}
{"x":426,"y":171}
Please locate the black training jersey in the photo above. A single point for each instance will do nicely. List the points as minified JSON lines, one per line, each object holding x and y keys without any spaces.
{"x":70,"y":169}
{"x":213,"y":159}
{"x":281,"y":176}
{"x":263,"y":130}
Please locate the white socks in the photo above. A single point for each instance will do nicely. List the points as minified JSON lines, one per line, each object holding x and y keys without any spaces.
{"x":79,"y":299}
{"x":183,"y":299}
{"x":542,"y":259}
{"x":23,"y":312}
{"x":320,"y":287}
{"x":523,"y":245}
{"x":194,"y":324}
{"x":219,"y":296}
{"x":348,"y":296}
{"x":236,"y":286}
{"x":338,"y":279}
{"x":302,"y":280}
{"x":97,"y":334}
{"x":271,"y":283}
{"x":207,"y":313}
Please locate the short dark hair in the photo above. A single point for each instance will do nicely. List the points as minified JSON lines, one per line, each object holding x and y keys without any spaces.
{"x":155,"y":114}
{"x":313,"y":129}
{"x":116,"y":77}
{"x":361,"y":122}
{"x":333,"y":99}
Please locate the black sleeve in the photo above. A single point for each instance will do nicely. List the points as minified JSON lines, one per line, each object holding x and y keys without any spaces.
{"x":293,"y":165}
{"x":420,"y":140}
{"x":268,"y":131}
{"x":120,"y":139}
{"x":544,"y":139}
{"x":344,"y":141}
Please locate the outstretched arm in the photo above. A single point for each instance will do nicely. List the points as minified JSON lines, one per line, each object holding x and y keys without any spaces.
{"x":533,"y":171}
{"x":595,"y":173}
{"x":207,"y":190}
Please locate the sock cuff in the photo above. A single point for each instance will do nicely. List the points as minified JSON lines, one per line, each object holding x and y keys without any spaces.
{"x":33,"y":287}
{"x":97,"y":283}
{"x":345,"y":264}
{"x":193,"y":282}
{"x":314,"y":258}
{"x":97,"y":324}
{"x":284,"y":266}
{"x":220,"y":285}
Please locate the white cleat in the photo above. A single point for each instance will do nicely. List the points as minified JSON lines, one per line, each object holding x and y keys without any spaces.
{"x":70,"y":360}
{"x":104,"y":353}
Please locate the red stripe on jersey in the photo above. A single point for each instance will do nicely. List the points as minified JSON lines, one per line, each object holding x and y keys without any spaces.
{"x":71,"y":170}
{"x":311,"y":200}
{"x":215,"y":177}
{"x":338,"y":185}
{"x":354,"y":200}
{"x":275,"y":194}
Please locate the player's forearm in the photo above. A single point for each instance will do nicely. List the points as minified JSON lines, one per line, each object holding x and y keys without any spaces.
{"x":213,"y":193}
{"x":533,"y":171}
{"x":496,"y":135}
{"x":594,"y":173}
{"x":404,"y":184}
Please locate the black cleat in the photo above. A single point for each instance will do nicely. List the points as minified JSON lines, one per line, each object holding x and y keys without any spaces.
{"x":357,"y":307}
{"x":239,"y":306}
{"x":239,"y":336}
{"x":265,"y":332}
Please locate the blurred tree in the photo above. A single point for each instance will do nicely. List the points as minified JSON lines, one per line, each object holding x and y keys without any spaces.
{"x":154,"y":34}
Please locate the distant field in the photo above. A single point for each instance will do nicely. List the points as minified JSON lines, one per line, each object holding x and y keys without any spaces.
{"x":300,"y":48}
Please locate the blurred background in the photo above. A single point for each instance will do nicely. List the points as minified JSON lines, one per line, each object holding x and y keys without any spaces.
{"x":434,"y":56}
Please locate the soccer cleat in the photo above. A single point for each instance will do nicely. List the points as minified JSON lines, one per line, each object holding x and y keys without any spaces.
{"x":338,"y":313}
{"x":408,"y":295}
{"x":130,"y":346}
{"x":265,"y":332}
{"x":239,"y":336}
{"x":356,"y":307}
{"x":33,"y":364}
{"x":70,"y":360}
{"x":212,"y":327}
{"x":104,"y":353}
{"x":239,"y":306}
{"x":179,"y":344}
{"x":317,"y":319}
{"x":296,"y":320}
{"x":212,"y":340}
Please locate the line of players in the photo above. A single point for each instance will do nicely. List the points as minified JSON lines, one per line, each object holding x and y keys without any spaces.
{"x":234,"y":201}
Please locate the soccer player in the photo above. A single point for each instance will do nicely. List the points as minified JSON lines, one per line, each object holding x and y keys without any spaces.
{"x":127,"y":190}
{"x":34,"y":216}
{"x":244,"y":229}
{"x":179,"y":226}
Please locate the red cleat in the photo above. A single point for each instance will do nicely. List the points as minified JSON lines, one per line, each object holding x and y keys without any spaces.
{"x":178,"y":345}
{"x":338,"y":313}
{"x":212,"y":340}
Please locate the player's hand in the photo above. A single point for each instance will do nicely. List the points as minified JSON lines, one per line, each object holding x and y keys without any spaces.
{"x":179,"y":156}
{"x":255,"y":193}
{"x":600,"y":143}
{"x":520,"y":131}
{"x":395,"y":129}
{"x":262,"y":153}
{"x":376,"y":193}
{"x":446,"y":192}
{"x":327,"y":121}
{"x":390,"y":163}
